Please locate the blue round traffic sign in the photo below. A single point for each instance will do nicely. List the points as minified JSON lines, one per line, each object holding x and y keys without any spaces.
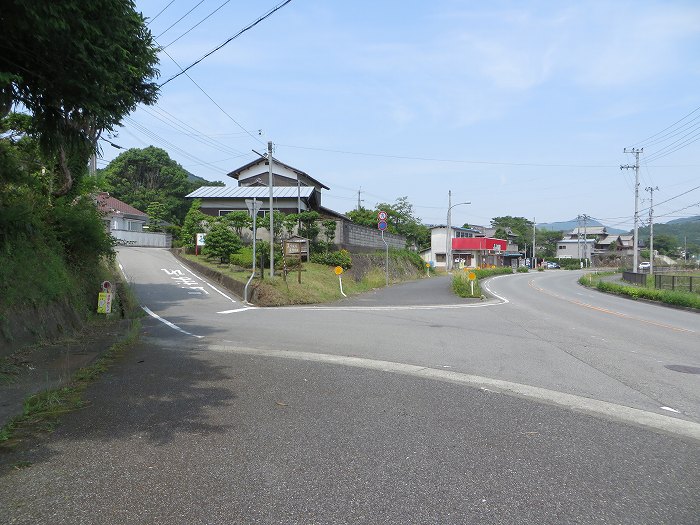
{"x":382,"y":225}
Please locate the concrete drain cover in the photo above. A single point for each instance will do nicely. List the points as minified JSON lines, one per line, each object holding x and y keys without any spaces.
{"x":684,"y":369}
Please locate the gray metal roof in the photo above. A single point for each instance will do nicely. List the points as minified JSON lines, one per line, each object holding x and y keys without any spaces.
{"x":249,"y":192}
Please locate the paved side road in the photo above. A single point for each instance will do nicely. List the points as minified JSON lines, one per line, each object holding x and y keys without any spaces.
{"x":181,"y":434}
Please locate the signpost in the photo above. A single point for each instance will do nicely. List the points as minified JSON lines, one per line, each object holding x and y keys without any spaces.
{"x":472,"y":277}
{"x":339,"y":272}
{"x":200,"y":241}
{"x":382,"y":225}
{"x":104,"y":299}
{"x":253,"y":207}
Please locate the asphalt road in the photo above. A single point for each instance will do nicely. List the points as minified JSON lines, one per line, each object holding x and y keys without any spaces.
{"x":547,"y":403}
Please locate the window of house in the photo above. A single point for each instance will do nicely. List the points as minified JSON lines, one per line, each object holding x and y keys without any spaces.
{"x":134,"y":226}
{"x":562,"y":247}
{"x":440,"y":257}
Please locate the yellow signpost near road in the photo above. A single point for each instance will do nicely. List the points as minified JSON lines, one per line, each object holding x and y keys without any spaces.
{"x":472,"y":277}
{"x":338,"y":272}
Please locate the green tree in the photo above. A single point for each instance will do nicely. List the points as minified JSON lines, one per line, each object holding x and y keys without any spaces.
{"x":666,"y":245}
{"x":364,"y":217}
{"x":221,"y":242}
{"x":329,"y":227}
{"x":195,"y":222}
{"x":238,"y":220}
{"x":141,"y":176}
{"x":79,"y":68}
{"x":290,"y":221}
{"x":156,"y":216}
{"x":309,"y":224}
{"x":547,"y":242}
{"x":520,"y":226}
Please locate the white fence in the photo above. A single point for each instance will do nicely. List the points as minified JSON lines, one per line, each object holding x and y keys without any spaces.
{"x":147,"y":239}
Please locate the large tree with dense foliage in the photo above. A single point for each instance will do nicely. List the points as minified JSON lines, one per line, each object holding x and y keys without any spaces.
{"x":142,"y":176}
{"x":78,"y":67}
{"x":520,"y":226}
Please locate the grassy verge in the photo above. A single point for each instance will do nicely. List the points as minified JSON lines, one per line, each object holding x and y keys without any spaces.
{"x":319,"y":283}
{"x":675,"y":298}
{"x":42,"y":411}
{"x":461,"y":283}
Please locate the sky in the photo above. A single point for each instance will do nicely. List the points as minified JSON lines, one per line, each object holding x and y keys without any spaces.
{"x":519,"y":108}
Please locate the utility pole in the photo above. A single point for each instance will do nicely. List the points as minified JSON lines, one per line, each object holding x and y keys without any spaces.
{"x":651,"y":229}
{"x":635,"y":257}
{"x":92,"y":168}
{"x":578,"y":237}
{"x":448,"y":231}
{"x":533,"y":244}
{"x":359,"y":199}
{"x":585,"y":239}
{"x":272,"y":224}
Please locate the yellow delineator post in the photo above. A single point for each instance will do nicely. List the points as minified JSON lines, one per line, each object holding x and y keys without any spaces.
{"x":472,"y":277}
{"x":339,"y":272}
{"x":427,"y":269}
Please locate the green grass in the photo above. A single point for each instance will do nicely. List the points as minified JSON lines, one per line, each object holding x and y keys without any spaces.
{"x":319,"y":283}
{"x":675,"y":298}
{"x":42,"y":411}
{"x":460,"y":281}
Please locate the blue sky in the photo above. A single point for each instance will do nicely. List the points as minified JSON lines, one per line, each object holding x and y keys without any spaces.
{"x":522,"y":108}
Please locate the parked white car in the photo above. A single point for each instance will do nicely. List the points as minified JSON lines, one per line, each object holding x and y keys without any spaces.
{"x":645,"y":265}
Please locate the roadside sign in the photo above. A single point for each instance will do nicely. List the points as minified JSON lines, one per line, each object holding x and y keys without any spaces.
{"x":382,"y":225}
{"x":472,"y":276}
{"x":382,"y":215}
{"x":104,"y":303}
{"x":201,"y":238}
{"x":106,"y":286}
{"x":338,"y":270}
{"x":253,"y":206}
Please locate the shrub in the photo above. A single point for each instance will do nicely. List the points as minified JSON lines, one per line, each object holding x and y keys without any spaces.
{"x":522,"y":269}
{"x":338,"y":258}
{"x":221,"y":242}
{"x":413,"y":257}
{"x":243,"y":257}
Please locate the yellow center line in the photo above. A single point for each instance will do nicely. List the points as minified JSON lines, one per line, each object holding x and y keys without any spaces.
{"x":606,"y":311}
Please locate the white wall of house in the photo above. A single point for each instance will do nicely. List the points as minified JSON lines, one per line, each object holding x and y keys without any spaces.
{"x":572,"y":249}
{"x":261,"y":171}
{"x":122,"y":223}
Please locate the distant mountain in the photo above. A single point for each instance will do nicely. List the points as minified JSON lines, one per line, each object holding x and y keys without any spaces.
{"x":684,"y":219}
{"x":567,"y":226}
{"x":202,"y":182}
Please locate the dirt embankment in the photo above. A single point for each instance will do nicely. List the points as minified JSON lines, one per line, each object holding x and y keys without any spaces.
{"x":400,"y":268}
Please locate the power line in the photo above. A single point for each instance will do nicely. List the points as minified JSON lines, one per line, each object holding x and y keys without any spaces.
{"x":197,"y":24}
{"x":248,"y":27}
{"x":456,"y":161}
{"x":212,"y":100}
{"x":160,"y":12}
{"x":641,"y":142}
{"x":179,"y":19}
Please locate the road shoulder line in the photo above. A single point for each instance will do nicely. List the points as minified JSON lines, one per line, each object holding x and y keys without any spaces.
{"x":620,"y":413}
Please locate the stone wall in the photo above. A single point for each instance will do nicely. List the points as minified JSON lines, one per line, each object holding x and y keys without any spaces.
{"x":356,"y":238}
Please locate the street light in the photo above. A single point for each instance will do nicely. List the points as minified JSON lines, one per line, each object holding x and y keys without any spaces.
{"x":448,"y":235}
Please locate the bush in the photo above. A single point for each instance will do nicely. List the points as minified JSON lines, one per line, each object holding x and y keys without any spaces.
{"x":413,"y":257}
{"x":522,"y":269}
{"x":221,"y":242}
{"x":340,"y":258}
{"x":242,"y":258}
{"x":675,"y":298}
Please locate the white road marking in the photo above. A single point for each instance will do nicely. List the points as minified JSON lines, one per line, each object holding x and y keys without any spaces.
{"x":621,"y":413}
{"x":671,"y":409}
{"x":208,"y":284}
{"x":171,"y":325}
{"x":237,"y":310}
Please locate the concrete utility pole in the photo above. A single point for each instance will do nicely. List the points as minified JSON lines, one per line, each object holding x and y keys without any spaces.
{"x":272,"y":224}
{"x":448,"y":232}
{"x":635,"y":257}
{"x":585,"y":239}
{"x":359,"y":199}
{"x":533,"y":244}
{"x":578,"y":237}
{"x":651,"y":229}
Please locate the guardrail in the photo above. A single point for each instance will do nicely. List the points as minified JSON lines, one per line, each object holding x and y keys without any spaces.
{"x":635,"y":278}
{"x":685,"y":283}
